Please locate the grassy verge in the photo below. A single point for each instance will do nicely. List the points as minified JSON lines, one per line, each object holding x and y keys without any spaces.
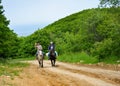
{"x":11,"y":67}
{"x":112,"y":60}
{"x":85,"y":58}
{"x":77,"y":58}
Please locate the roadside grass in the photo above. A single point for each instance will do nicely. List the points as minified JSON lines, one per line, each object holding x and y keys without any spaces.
{"x":78,"y":58}
{"x":112,"y":60}
{"x":86,"y":59}
{"x":11,"y":67}
{"x":5,"y":83}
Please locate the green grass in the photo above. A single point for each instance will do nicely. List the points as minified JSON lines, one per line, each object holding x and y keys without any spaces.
{"x":77,"y":58}
{"x":11,"y":67}
{"x":111,"y":60}
{"x":86,"y":59}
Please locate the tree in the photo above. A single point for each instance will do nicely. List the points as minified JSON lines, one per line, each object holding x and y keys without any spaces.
{"x":109,"y":3}
{"x":8,"y":39}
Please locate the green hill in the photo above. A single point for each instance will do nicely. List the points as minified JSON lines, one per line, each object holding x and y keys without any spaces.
{"x":93,"y":31}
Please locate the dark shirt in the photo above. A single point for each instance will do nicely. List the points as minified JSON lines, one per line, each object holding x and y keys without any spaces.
{"x":51,"y":47}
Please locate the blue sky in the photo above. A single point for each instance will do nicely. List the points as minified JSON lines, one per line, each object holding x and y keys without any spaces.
{"x":26,"y":16}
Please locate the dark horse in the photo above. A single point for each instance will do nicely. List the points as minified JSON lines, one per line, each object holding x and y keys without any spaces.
{"x":52,"y":57}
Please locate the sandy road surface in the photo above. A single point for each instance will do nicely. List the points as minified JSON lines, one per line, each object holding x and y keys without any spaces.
{"x":65,"y":74}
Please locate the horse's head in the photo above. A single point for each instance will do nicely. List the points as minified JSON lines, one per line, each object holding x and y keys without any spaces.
{"x":40,"y":52}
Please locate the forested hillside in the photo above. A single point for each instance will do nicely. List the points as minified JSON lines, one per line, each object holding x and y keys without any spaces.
{"x":93,"y":31}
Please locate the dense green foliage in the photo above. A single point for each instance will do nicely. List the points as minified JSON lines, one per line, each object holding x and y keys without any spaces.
{"x":8,"y":39}
{"x":96,"y":32}
{"x":93,"y":31}
{"x":110,"y":3}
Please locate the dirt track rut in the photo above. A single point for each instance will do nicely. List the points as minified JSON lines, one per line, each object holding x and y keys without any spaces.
{"x":88,"y":75}
{"x":64,"y":74}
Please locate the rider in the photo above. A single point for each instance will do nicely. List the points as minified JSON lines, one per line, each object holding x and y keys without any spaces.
{"x":38,"y":47}
{"x":51,"y":48}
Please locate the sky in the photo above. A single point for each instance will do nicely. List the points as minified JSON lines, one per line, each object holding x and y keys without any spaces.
{"x":27,"y":16}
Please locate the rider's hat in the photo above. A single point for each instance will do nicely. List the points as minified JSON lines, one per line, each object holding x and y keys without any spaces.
{"x":51,"y":42}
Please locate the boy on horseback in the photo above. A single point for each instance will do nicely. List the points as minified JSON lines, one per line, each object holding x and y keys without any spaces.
{"x":51,"y":48}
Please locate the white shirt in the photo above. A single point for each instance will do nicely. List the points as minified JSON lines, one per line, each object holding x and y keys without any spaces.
{"x":39,"y":47}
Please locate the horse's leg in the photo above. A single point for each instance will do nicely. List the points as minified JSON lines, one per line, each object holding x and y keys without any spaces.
{"x":42,"y":62}
{"x":54,"y":61}
{"x":51,"y":62}
{"x":38,"y":58}
{"x":39,"y":62}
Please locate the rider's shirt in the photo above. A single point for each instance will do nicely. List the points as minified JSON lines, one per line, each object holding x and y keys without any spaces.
{"x":39,"y":47}
{"x":51,"y":47}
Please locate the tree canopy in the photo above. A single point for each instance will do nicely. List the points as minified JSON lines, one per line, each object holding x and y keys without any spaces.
{"x":94,"y":31}
{"x":8,"y":39}
{"x":109,"y":3}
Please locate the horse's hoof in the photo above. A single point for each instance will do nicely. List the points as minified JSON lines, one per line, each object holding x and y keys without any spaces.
{"x":53,"y":65}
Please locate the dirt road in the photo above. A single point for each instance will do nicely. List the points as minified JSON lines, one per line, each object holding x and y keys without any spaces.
{"x":65,"y":74}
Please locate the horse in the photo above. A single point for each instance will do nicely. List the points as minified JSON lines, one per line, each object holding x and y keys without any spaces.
{"x":40,"y":58}
{"x":52,"y":57}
